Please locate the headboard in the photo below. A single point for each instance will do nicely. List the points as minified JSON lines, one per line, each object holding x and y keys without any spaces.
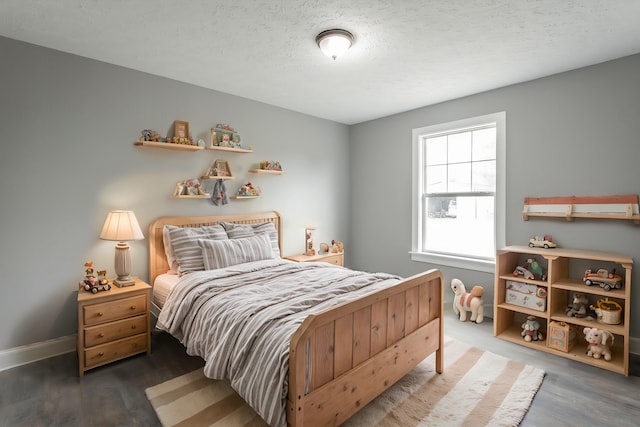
{"x":157,"y":257}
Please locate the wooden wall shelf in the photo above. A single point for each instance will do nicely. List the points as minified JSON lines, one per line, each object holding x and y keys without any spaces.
{"x":230,"y":149}
{"x":199,"y":196}
{"x":623,"y":207}
{"x":215,"y":177}
{"x":168,"y":145}
{"x":267,"y":171}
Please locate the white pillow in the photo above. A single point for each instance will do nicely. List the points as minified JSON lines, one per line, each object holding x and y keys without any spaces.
{"x":224,"y":253}
{"x":183,"y":240}
{"x":168,"y":250}
{"x":239,"y":231}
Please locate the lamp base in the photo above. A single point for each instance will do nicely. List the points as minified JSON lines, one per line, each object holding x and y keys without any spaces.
{"x":121,"y":282}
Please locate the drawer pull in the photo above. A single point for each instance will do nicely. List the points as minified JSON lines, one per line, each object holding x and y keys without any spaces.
{"x":133,"y":307}
{"x":100,"y":314}
{"x":133,"y":326}
{"x":100,"y":335}
{"x":101,"y":354}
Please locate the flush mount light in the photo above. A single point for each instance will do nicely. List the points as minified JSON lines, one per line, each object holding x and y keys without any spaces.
{"x":334,"y":43}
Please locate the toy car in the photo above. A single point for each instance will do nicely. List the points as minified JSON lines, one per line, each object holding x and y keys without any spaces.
{"x":93,"y":286}
{"x":602,"y":277}
{"x":522,"y":271}
{"x":542,"y":242}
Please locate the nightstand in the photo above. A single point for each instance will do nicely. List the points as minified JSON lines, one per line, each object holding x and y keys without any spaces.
{"x":113,"y":324}
{"x":331,"y":258}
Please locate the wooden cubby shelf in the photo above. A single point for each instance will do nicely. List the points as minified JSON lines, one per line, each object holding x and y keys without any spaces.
{"x":565,"y":269}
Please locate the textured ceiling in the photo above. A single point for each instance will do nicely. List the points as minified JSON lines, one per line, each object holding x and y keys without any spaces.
{"x":407,"y":53}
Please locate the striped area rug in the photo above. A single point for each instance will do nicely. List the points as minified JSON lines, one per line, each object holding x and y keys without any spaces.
{"x":477,"y":388}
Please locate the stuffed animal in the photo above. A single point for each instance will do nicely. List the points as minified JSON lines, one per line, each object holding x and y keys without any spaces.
{"x":531,"y":329}
{"x":464,"y":301}
{"x":579,"y":307}
{"x":337,"y":247}
{"x":598,"y":343}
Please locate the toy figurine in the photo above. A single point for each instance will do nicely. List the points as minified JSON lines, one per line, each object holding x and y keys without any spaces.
{"x":531,"y":329}
{"x":599,"y":343}
{"x":464,"y":301}
{"x":93,"y":284}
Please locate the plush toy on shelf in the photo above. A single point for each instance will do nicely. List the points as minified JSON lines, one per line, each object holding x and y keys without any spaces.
{"x":531,"y":330}
{"x":599,"y":343}
{"x":464,"y":301}
{"x":579,"y":307}
{"x":336,"y":247}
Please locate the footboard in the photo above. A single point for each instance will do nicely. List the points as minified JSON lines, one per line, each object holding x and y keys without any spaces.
{"x":343,"y":358}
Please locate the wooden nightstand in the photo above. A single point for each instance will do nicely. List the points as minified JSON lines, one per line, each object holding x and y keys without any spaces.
{"x":113,"y":324}
{"x":331,"y":258}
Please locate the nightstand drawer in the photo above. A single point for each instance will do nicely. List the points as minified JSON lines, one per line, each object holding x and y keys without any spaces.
{"x":115,"y":350}
{"x":113,"y":331}
{"x":333,"y":259}
{"x":113,"y":310}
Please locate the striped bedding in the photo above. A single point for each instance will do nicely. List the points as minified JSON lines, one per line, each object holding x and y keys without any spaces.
{"x":240,"y":320}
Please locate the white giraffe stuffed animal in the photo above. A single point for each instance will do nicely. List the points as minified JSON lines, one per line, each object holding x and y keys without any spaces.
{"x":464,"y":301}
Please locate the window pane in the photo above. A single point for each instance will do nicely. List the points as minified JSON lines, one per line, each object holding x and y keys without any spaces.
{"x":441,"y":207}
{"x":484,"y":176}
{"x":436,"y":151}
{"x":436,"y":179}
{"x":465,"y":227}
{"x":459,"y":178}
{"x":459,"y":148}
{"x":484,"y":144}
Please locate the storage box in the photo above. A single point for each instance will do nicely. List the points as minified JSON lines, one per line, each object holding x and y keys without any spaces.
{"x":562,"y":336}
{"x":526,"y":295}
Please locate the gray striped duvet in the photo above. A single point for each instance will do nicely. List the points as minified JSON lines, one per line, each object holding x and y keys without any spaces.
{"x":240,"y":320}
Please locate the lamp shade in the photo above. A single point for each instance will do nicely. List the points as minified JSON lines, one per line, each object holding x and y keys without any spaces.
{"x":121,"y":226}
{"x":334,"y":43}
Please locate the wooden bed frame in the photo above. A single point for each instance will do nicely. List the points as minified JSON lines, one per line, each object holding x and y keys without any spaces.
{"x":342,"y":358}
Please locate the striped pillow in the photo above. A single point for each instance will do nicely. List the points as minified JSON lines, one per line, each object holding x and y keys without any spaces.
{"x":240,"y":231}
{"x":224,"y":253}
{"x":187,"y":253}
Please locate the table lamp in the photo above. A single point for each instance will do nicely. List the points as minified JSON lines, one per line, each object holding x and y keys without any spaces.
{"x":122,"y":226}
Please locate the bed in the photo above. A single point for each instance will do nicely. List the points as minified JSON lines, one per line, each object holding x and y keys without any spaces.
{"x":340,"y":357}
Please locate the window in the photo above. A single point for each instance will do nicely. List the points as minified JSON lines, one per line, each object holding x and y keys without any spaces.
{"x":458,"y":192}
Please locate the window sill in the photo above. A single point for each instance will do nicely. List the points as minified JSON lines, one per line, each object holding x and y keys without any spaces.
{"x":486,"y":266}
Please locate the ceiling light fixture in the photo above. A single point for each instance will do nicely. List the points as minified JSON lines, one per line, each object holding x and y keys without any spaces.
{"x":334,"y":43}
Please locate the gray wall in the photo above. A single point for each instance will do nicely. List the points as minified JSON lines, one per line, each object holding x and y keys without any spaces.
{"x":68,"y":126}
{"x":575,"y":133}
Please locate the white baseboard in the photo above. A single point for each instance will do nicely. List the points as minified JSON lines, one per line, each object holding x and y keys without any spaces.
{"x":25,"y":354}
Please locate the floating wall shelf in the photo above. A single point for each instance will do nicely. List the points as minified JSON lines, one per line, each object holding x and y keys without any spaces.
{"x":624,"y":207}
{"x":231,"y":149}
{"x":168,"y":145}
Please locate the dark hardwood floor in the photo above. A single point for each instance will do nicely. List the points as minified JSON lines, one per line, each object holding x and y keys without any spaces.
{"x":50,"y":393}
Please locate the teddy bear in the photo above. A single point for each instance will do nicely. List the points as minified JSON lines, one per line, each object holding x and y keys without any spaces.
{"x":531,"y":330}
{"x":337,"y":247}
{"x":598,"y":343}
{"x":579,"y":307}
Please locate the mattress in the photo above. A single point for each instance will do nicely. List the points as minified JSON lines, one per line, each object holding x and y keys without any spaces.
{"x":163,"y":284}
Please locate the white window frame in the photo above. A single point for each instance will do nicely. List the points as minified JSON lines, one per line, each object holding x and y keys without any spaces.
{"x":417,"y":220}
